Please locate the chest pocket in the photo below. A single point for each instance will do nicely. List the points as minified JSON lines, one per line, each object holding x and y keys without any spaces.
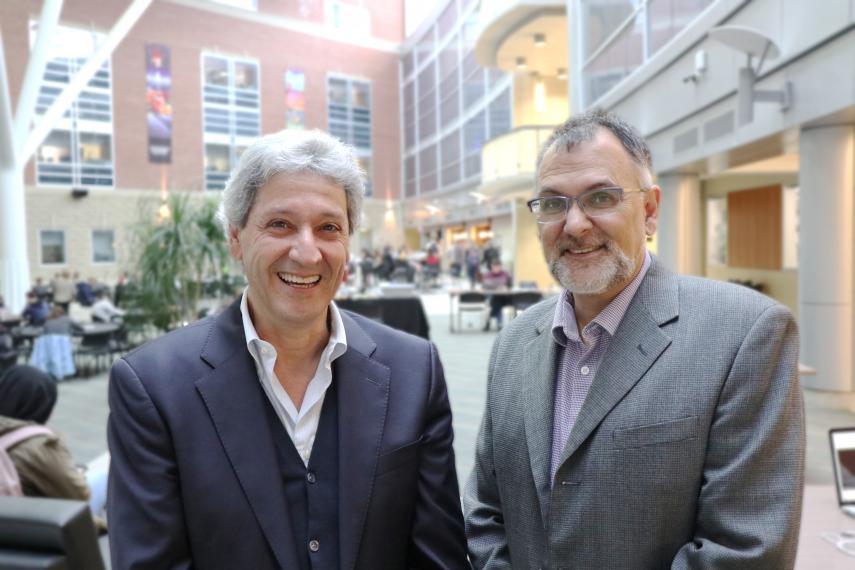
{"x":656,"y":434}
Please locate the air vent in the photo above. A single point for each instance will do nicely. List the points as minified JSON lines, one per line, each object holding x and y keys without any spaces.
{"x":685,"y":141}
{"x":718,"y":127}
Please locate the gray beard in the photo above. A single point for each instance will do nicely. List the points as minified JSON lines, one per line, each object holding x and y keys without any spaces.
{"x":596,"y":277}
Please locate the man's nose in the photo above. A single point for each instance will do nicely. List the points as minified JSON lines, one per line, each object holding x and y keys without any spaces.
{"x":305,"y":248}
{"x":576,"y":222}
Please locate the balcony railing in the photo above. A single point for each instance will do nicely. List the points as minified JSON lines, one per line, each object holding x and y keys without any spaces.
{"x":513,"y":154}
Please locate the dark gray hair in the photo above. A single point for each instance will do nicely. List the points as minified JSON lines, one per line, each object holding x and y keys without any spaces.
{"x":583,"y":128}
{"x":292,"y":151}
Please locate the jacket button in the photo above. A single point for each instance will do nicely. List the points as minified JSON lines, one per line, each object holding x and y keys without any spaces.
{"x":310,"y":477}
{"x":314,"y":545}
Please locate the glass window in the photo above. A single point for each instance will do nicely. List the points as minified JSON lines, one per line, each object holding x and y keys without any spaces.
{"x":349,"y":117}
{"x":410,"y":175}
{"x":473,"y":139}
{"x":666,"y":18}
{"x":424,"y":48}
{"x":500,"y":114}
{"x":409,"y":64}
{"x":409,"y":114}
{"x":446,"y":20}
{"x":52,"y":247}
{"x":427,"y":169}
{"x":231,"y":113}
{"x":103,"y":246}
{"x":473,"y":81}
{"x":427,"y":101}
{"x":601,"y":18}
{"x":78,"y":152}
{"x":450,"y":161}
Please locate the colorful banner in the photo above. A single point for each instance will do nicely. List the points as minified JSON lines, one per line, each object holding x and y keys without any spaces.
{"x":158,"y":78}
{"x":295,"y":99}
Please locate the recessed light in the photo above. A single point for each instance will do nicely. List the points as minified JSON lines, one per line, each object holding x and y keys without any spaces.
{"x":539,"y":40}
{"x":521,"y":63}
{"x":562,"y":73}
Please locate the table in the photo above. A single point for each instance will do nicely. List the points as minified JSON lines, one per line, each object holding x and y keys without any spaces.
{"x":821,"y":513}
{"x":501,"y":297}
{"x":403,"y":313}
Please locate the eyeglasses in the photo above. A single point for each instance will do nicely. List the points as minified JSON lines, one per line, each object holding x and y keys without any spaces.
{"x":594,"y":202}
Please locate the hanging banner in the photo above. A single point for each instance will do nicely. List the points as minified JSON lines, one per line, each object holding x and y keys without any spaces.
{"x":295,"y":99}
{"x":158,"y":77}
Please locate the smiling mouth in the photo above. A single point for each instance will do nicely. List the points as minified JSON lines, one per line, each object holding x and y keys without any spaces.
{"x":299,"y":281}
{"x":583,"y":251}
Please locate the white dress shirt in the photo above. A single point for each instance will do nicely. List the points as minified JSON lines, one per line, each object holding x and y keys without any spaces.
{"x":302,"y":424}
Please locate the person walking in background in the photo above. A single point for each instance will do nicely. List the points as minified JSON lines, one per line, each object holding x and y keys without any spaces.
{"x":63,"y":291}
{"x":473,"y":256}
{"x":640,"y":419}
{"x":285,"y":433}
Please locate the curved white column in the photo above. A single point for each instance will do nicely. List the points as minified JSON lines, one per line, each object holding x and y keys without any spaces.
{"x":827,"y":256}
{"x":679,"y":244}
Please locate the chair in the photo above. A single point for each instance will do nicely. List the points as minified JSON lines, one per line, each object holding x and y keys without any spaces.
{"x":98,"y":346}
{"x":522,"y":300}
{"x":54,"y":354}
{"x":472,"y":302}
{"x":47,"y":534}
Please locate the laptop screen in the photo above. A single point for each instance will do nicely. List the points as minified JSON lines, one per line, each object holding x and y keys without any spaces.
{"x":843,"y":457}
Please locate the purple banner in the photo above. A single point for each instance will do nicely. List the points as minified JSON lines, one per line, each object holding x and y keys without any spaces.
{"x":158,"y":78}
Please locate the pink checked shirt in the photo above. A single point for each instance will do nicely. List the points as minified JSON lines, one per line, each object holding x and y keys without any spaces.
{"x":578,"y":361}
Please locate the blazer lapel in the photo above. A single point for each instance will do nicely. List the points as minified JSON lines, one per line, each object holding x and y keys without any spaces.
{"x":637,"y":344}
{"x":539,"y":359}
{"x":363,"y":389}
{"x":234,"y":402}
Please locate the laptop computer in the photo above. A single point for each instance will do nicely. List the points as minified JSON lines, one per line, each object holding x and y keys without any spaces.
{"x":843,"y":459}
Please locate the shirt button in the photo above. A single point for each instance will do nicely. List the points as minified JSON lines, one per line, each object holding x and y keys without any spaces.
{"x":310,"y":477}
{"x":585,"y":370}
{"x":314,"y":545}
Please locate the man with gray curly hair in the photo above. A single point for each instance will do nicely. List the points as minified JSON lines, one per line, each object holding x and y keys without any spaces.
{"x":284,"y":432}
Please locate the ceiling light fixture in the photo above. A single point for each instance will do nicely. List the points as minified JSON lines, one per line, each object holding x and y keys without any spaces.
{"x":562,"y":73}
{"x":539,"y":40}
{"x":521,"y":64}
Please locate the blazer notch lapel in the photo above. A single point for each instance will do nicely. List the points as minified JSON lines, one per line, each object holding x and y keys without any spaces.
{"x":363,"y":392}
{"x":234,"y":402}
{"x":539,"y":395}
{"x":637,"y":344}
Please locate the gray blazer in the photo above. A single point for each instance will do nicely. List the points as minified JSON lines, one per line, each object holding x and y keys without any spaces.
{"x":687,"y":453}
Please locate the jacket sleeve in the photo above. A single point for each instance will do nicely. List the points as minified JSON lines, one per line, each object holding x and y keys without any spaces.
{"x":437,"y":539}
{"x":749,"y":508}
{"x":144,"y":504}
{"x":485,"y":525}
{"x":46,"y":468}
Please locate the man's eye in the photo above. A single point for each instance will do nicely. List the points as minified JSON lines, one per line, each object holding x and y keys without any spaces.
{"x":601,"y":199}
{"x":330,"y":228}
{"x":550,"y":205}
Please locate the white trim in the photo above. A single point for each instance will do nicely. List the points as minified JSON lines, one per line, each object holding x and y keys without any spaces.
{"x":92,"y":246}
{"x":290,"y":24}
{"x":64,"y":262}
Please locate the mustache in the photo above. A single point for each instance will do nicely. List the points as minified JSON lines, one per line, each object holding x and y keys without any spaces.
{"x":567,"y":243}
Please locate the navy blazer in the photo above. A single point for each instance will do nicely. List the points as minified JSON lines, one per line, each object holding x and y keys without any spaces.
{"x":194,"y":480}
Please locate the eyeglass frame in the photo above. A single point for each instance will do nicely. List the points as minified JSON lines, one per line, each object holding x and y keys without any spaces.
{"x":569,"y":200}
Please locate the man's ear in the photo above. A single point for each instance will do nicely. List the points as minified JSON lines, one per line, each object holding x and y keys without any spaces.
{"x":234,"y":243}
{"x":651,"y":209}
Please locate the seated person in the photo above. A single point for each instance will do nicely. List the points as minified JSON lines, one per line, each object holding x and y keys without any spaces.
{"x":36,"y":312}
{"x":44,"y":465}
{"x":59,"y":323}
{"x":496,"y":278}
{"x":104,"y":311}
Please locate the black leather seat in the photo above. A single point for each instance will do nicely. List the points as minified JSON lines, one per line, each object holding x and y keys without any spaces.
{"x":47,"y":534}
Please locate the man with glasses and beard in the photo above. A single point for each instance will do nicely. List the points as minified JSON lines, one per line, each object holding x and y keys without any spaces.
{"x":640,"y":419}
